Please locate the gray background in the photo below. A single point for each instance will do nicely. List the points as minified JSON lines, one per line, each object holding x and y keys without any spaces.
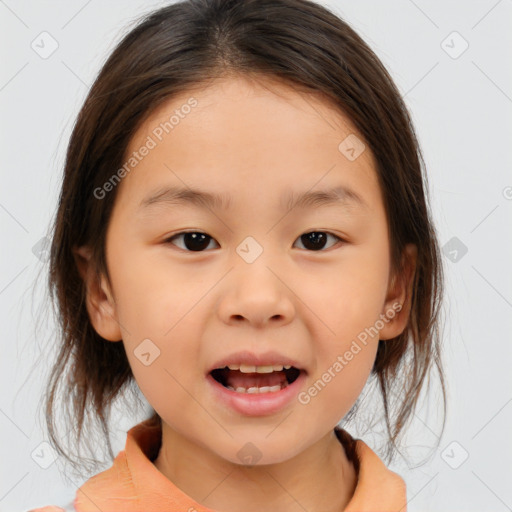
{"x":461,"y":105}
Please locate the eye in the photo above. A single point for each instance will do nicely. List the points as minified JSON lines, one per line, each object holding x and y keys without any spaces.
{"x":315,"y":240}
{"x":196,"y":241}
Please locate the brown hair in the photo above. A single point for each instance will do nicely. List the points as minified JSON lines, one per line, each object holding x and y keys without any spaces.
{"x":189,"y":44}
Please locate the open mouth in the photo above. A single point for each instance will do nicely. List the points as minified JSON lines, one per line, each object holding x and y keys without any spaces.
{"x":256,"y":382}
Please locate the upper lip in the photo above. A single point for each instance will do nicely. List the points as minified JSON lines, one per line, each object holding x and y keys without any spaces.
{"x":269,"y":358}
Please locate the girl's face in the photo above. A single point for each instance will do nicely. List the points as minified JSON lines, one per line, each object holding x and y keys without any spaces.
{"x":306,"y":285}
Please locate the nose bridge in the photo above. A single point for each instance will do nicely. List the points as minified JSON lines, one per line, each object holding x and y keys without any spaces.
{"x":250,"y":250}
{"x":255,"y":291}
{"x":253,"y":261}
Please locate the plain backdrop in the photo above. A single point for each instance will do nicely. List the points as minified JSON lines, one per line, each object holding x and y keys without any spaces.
{"x":451,"y":61}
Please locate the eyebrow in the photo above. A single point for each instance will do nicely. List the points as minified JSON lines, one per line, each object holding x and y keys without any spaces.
{"x":340,"y":195}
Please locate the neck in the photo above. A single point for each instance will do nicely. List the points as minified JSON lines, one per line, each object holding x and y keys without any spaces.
{"x":321,"y":478}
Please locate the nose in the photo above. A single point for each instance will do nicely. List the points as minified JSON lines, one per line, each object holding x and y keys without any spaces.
{"x":255,"y":293}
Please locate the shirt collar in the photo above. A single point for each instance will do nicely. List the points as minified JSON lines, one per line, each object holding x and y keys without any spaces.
{"x":133,"y":483}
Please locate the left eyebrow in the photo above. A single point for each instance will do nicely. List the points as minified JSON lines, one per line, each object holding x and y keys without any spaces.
{"x":340,"y":195}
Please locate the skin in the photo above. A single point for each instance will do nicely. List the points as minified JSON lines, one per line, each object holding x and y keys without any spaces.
{"x":252,"y":140}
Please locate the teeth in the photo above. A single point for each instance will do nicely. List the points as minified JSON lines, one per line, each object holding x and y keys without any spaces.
{"x":263,"y":389}
{"x":264,"y":369}
{"x":246,"y":368}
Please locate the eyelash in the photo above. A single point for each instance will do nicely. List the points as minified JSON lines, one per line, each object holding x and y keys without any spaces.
{"x":181,"y":233}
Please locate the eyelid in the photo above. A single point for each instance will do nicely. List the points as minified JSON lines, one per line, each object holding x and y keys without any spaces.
{"x":168,"y":240}
{"x":329,"y":233}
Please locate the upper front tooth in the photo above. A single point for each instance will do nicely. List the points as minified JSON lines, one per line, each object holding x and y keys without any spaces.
{"x":287,"y":367}
{"x":265,"y":369}
{"x":246,"y":368}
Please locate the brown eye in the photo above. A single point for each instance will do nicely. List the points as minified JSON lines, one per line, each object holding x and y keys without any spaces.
{"x":196,"y":241}
{"x":316,"y":240}
{"x":192,"y":240}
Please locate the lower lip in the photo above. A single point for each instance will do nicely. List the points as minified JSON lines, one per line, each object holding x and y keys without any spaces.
{"x":257,"y":404}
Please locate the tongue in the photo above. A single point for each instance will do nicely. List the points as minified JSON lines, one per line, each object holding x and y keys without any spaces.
{"x":235,"y":379}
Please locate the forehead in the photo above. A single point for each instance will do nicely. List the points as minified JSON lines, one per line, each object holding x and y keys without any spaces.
{"x":244,"y":132}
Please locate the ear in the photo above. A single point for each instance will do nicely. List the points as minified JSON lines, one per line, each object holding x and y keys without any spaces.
{"x":99,"y":299}
{"x":398,"y":302}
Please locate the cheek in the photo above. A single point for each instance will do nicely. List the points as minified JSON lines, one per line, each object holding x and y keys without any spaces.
{"x":152,"y":295}
{"x":346,"y":310}
{"x":348,"y":299}
{"x":163,"y":387}
{"x":165,"y":367}
{"x":336,"y":384}
{"x":160,"y":313}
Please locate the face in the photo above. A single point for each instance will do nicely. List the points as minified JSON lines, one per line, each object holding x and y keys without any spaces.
{"x":266,"y":278}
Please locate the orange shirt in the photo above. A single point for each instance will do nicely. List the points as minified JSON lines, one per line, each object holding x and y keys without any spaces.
{"x":134,"y":484}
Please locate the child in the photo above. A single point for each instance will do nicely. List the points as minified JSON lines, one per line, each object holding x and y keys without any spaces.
{"x":269,"y":135}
